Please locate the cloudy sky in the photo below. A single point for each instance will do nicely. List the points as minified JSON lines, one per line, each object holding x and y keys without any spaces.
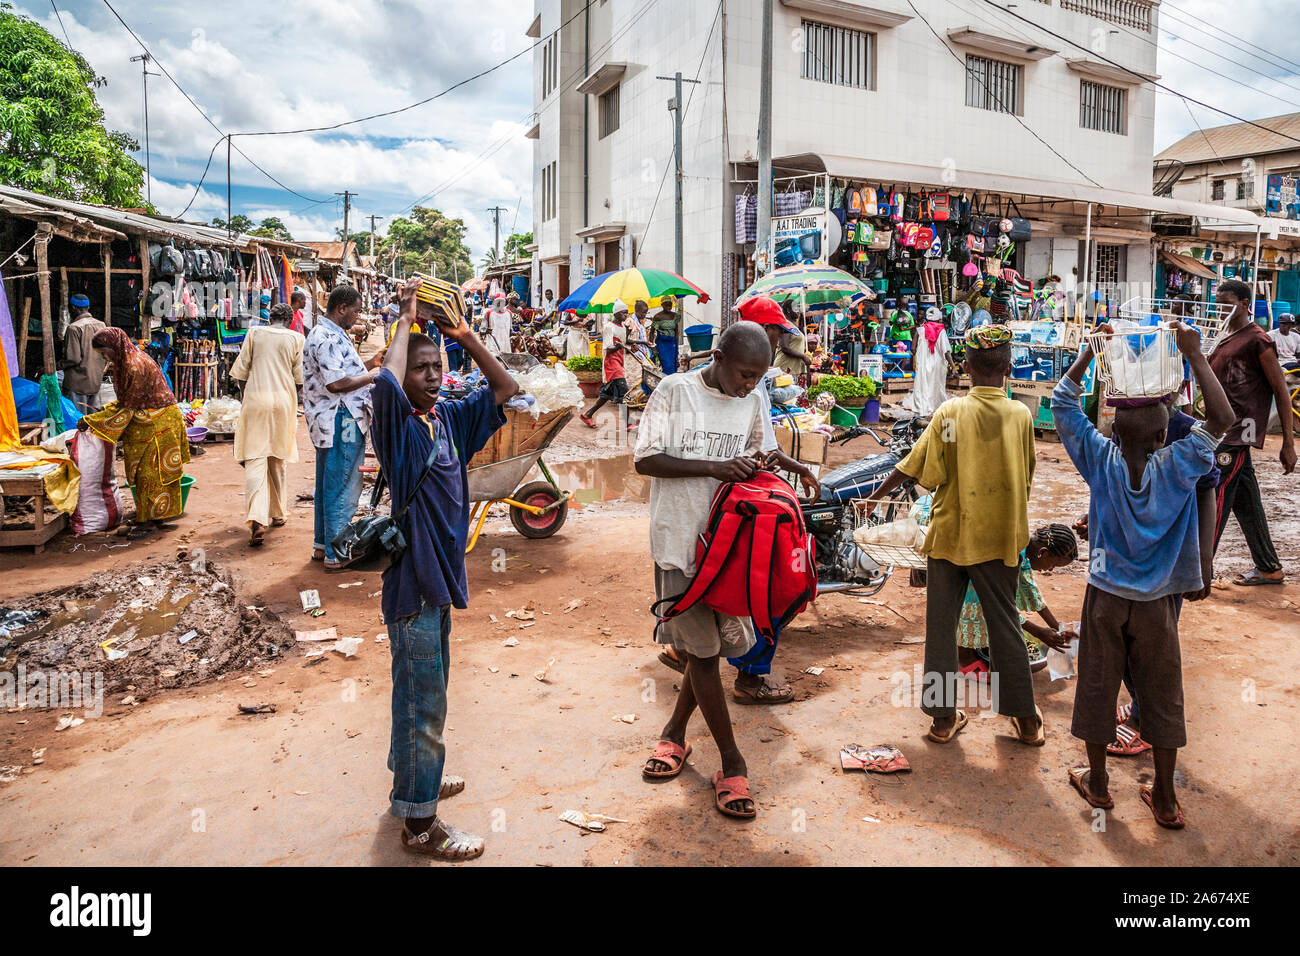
{"x":301,"y":63}
{"x":304,"y":63}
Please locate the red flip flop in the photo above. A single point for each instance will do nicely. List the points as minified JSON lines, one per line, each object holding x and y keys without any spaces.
{"x":1177,"y":823}
{"x":728,"y":790}
{"x":1128,"y":742}
{"x":667,"y":752}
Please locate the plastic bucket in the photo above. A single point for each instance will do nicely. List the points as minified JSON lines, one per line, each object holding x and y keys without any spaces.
{"x":845,"y":417}
{"x":700,"y":337}
{"x":870,"y":412}
{"x":187,"y":482}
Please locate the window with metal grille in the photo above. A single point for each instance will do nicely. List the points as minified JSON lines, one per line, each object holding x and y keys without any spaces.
{"x":839,"y":55}
{"x":549,"y":193}
{"x":1103,"y":107}
{"x":1216,"y":189}
{"x":609,"y":111}
{"x":550,"y":65}
{"x":1107,"y":268}
{"x":993,"y":85}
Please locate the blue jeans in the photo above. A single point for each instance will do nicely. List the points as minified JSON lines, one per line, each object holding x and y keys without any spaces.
{"x":757,"y":661}
{"x":338,"y":483}
{"x":416,"y":752}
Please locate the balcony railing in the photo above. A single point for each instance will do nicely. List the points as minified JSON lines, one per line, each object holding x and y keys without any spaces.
{"x":1126,"y":13}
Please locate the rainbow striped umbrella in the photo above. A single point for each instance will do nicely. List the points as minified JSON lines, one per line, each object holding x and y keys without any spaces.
{"x":814,"y":287}
{"x":648,"y":285}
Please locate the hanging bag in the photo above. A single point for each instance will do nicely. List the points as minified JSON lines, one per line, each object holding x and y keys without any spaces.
{"x":1015,"y":227}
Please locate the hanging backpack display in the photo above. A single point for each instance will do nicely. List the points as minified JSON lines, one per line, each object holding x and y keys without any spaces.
{"x":1016,"y":228}
{"x":170,"y":260}
{"x":881,"y":239}
{"x":855,"y":204}
{"x":940,"y":206}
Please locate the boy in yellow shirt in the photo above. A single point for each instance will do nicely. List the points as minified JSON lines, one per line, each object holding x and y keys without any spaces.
{"x":978,"y":457}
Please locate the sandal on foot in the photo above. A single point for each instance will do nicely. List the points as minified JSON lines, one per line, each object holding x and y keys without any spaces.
{"x":669,"y":661}
{"x":454,"y":845}
{"x":277,"y":522}
{"x":587,"y":421}
{"x":1177,"y":823}
{"x":256,"y":536}
{"x":1128,"y":742}
{"x":1123,"y":712}
{"x":1254,"y":578}
{"x":450,"y":786}
{"x":1076,"y":775}
{"x":1037,"y":741}
{"x":961,"y":721}
{"x":730,"y":790}
{"x":765,"y":693}
{"x":667,"y":752}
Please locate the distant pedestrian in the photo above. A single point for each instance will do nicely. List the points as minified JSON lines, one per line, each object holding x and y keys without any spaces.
{"x":83,"y":367}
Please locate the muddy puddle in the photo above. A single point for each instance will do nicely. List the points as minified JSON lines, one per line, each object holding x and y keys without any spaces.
{"x":601,"y":481}
{"x":151,"y":625}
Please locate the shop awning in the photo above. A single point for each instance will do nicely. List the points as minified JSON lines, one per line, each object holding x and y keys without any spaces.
{"x":851,"y":167}
{"x":1187,"y":264}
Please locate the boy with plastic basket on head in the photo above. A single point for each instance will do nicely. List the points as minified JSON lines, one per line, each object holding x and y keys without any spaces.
{"x":1144,"y":557}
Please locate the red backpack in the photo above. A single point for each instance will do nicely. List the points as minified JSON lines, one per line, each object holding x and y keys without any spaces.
{"x":755,"y":559}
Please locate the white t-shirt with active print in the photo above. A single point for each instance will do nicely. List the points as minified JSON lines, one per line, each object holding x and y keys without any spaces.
{"x":685,"y":418}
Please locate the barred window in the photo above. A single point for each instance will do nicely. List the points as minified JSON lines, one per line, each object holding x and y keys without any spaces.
{"x":550,"y":64}
{"x":994,"y":85}
{"x":549,"y":193}
{"x":839,"y":55}
{"x":609,"y":111}
{"x":1103,"y":108}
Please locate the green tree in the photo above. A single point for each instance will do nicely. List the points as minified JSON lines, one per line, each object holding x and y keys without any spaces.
{"x":273,"y":228}
{"x":52,"y":134}
{"x":515,"y":246}
{"x":239,"y":223}
{"x":425,"y":234}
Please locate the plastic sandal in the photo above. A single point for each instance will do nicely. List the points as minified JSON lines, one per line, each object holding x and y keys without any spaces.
{"x":1177,"y":823}
{"x":667,"y":752}
{"x":1128,"y":743}
{"x":728,"y":790}
{"x":1076,"y":775}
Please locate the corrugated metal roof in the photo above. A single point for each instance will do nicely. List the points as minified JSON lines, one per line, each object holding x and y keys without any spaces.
{"x":65,"y":224}
{"x":1235,"y":140}
{"x":132,"y":223}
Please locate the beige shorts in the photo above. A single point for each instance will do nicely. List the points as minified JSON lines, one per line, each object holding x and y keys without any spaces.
{"x":701,"y":631}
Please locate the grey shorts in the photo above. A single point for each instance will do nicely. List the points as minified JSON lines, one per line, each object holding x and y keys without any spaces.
{"x":701,"y":631}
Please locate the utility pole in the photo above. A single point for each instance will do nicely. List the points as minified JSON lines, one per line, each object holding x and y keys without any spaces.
{"x":677,"y":108}
{"x":372,"y":234}
{"x":143,"y":59}
{"x":496,"y":220}
{"x":765,"y":134}
{"x":228,"y":216}
{"x":347,"y":205}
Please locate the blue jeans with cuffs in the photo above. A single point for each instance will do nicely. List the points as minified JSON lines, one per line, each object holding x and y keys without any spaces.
{"x":416,"y":751}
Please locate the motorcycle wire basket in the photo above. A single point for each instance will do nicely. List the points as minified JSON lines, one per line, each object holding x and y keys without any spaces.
{"x":1208,"y":318}
{"x":885,"y":555}
{"x":1137,"y":362}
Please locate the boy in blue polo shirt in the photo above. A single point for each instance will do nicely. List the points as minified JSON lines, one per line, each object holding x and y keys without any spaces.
{"x":1144,"y":556}
{"x":421,"y":588}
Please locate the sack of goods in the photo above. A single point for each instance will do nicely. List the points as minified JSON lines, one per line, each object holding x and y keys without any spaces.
{"x":98,"y":506}
{"x":755,"y":558}
{"x":903,"y":533}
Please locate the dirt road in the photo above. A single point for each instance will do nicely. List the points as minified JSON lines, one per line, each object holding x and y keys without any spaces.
{"x":183,"y":777}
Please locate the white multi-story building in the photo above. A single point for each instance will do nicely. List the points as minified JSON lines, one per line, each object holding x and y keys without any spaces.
{"x":1057,"y":113}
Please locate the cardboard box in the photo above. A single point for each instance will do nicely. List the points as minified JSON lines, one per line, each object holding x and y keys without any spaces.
{"x":812,"y":445}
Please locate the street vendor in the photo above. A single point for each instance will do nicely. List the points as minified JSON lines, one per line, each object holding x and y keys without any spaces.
{"x":497,"y":325}
{"x":578,"y":339}
{"x":423,"y":446}
{"x":145,"y":419}
{"x":667,"y":325}
{"x":83,"y":367}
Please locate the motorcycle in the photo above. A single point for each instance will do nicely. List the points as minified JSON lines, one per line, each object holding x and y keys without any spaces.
{"x":841,"y":565}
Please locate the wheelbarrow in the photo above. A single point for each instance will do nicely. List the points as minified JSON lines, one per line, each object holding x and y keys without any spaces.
{"x":537,"y":509}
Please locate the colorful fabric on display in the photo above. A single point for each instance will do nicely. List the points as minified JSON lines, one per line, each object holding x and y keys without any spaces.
{"x":7,"y":334}
{"x":52,"y":402}
{"x":285,"y":277}
{"x":8,"y":411}
{"x":62,"y":485}
{"x":137,"y":379}
{"x":156,"y":449}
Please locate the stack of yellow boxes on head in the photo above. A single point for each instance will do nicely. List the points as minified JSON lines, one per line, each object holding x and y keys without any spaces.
{"x":440,"y":301}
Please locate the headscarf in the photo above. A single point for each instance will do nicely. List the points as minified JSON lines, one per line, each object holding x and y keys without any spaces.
{"x":988,"y":337}
{"x":933,"y":327}
{"x":137,"y":379}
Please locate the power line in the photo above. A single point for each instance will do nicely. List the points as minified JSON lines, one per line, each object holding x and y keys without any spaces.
{"x":1276,"y":56}
{"x":1145,"y":79}
{"x":206,"y":166}
{"x":1009,"y":112}
{"x":187,"y":96}
{"x":59,"y":17}
{"x":427,"y":99}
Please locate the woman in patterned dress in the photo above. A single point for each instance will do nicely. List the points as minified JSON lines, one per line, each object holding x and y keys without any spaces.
{"x":147,"y":422}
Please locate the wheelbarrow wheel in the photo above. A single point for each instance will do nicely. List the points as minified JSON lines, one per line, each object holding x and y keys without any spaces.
{"x":539,"y":494}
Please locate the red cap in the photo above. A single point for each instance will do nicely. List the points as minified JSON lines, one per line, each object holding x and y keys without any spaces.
{"x":765,"y":311}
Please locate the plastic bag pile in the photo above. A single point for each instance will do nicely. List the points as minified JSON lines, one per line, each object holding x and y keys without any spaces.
{"x":550,"y":387}
{"x":903,"y":533}
{"x":1143,"y":362}
{"x":218,"y":415}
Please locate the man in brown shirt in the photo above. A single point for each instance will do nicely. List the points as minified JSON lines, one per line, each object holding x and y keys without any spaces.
{"x":1245,"y":362}
{"x":83,"y":367}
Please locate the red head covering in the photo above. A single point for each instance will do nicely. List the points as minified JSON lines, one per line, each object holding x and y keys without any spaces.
{"x":137,"y":379}
{"x":765,"y":311}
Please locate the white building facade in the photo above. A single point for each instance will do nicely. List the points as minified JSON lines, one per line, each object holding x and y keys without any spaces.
{"x":950,"y":94}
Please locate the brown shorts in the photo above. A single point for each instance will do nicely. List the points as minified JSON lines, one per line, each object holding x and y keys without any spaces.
{"x":1143,"y":634}
{"x":701,"y":631}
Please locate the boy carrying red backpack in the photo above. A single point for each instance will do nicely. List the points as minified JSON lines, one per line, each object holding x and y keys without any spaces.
{"x":700,"y":429}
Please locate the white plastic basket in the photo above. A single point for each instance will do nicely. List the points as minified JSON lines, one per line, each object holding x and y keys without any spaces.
{"x":1137,"y":362}
{"x":1209,"y":318}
